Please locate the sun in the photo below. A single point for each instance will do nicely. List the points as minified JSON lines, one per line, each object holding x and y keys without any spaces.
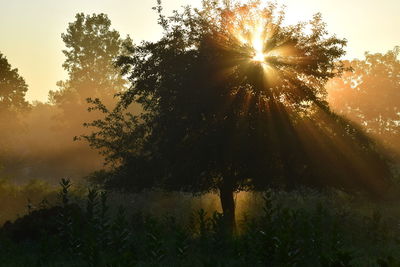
{"x":257,"y":45}
{"x":256,"y":35}
{"x":251,"y":33}
{"x":259,"y":57}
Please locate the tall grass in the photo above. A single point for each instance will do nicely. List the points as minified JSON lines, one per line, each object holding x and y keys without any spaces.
{"x":302,"y":228}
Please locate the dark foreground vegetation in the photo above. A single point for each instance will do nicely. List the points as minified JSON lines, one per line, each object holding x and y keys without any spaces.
{"x":301,"y":228}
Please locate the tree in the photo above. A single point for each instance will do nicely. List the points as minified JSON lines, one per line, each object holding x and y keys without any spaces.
{"x":92,"y":50}
{"x":46,"y":149}
{"x":370,"y":95}
{"x":12,"y":88}
{"x":92,"y":47}
{"x":12,"y":101}
{"x":233,"y":100}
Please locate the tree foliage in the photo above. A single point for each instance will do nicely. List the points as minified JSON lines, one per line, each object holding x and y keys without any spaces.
{"x":92,"y":48}
{"x":12,"y":101}
{"x":370,"y":95}
{"x":215,"y":118}
{"x":12,"y":87}
{"x":43,"y":148}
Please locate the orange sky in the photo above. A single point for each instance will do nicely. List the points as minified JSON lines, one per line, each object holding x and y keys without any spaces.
{"x":30,"y":30}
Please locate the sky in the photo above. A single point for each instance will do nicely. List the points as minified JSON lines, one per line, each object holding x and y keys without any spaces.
{"x":30,"y":30}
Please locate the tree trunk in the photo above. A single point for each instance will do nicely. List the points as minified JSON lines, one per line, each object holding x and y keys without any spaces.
{"x":228,"y":206}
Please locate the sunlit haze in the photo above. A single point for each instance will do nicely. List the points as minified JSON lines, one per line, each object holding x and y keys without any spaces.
{"x":31,"y":30}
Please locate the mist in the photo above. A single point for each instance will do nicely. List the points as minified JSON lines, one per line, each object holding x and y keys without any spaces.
{"x":39,"y":145}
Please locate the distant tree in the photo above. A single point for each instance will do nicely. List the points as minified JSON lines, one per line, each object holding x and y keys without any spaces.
{"x":370,"y":95}
{"x":12,"y":88}
{"x":12,"y":101}
{"x":92,"y":48}
{"x":233,"y":100}
{"x":45,"y":148}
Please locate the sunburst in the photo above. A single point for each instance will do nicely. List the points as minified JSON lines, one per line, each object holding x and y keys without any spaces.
{"x":252,"y":34}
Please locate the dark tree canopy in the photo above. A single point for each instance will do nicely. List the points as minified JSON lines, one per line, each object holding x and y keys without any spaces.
{"x":234,"y":100}
{"x":12,"y":88}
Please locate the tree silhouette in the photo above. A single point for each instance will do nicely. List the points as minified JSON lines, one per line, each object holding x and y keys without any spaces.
{"x":44,"y":147}
{"x":233,"y":100}
{"x":12,"y":102}
{"x":92,"y":48}
{"x":12,"y":88}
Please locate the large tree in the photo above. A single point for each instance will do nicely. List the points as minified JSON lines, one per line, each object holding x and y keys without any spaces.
{"x":234,"y":100}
